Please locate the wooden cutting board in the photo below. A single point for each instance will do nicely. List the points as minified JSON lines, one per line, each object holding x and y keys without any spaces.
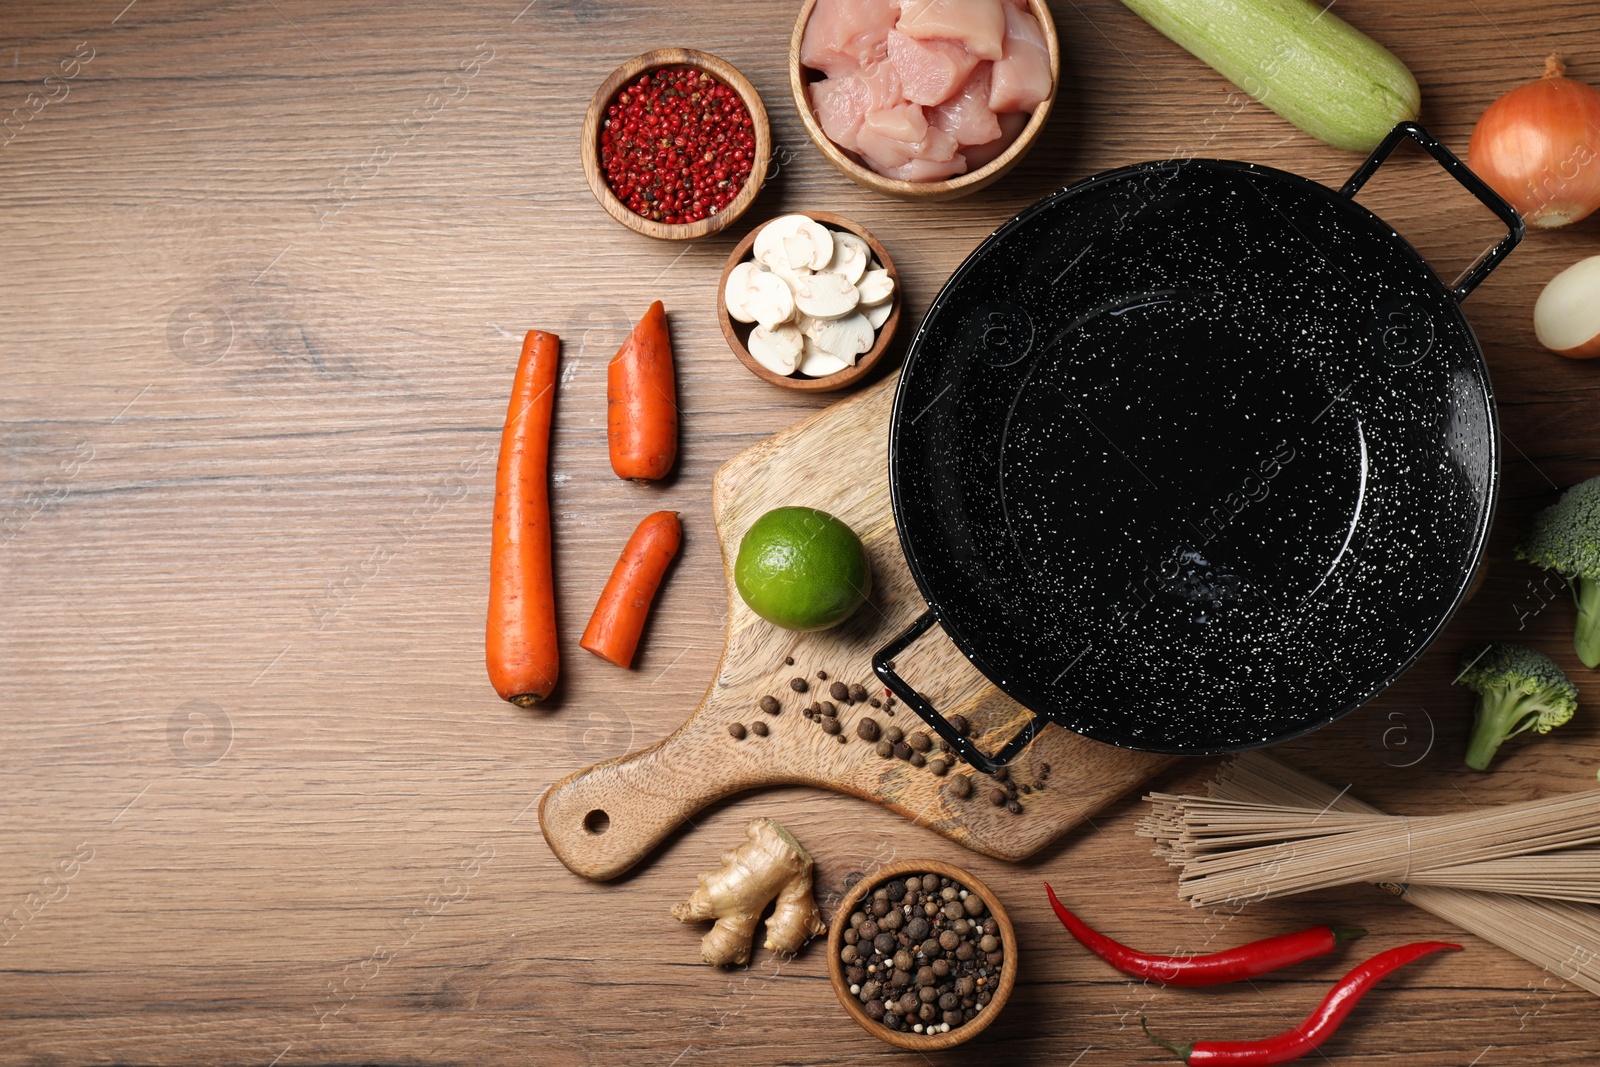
{"x":602,"y":820}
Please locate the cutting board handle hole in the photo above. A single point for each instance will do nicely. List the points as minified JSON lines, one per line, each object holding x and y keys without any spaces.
{"x":597,"y":822}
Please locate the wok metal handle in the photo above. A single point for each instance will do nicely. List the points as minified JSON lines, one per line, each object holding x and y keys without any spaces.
{"x":883,"y":666}
{"x":1461,"y":173}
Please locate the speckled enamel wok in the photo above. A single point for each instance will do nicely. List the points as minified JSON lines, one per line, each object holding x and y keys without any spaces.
{"x":1194,"y":456}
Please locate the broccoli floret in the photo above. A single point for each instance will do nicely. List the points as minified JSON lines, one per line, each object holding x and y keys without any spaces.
{"x":1565,"y":537}
{"x":1518,"y":689}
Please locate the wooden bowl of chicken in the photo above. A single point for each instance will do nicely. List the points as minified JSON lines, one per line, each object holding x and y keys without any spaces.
{"x":755,"y":330}
{"x":929,"y":102}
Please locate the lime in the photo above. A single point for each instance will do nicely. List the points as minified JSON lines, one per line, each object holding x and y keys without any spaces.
{"x":802,"y":569}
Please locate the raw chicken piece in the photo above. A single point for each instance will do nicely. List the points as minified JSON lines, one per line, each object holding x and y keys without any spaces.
{"x":904,"y":122}
{"x":880,"y":151}
{"x":1011,"y":125}
{"x":844,"y":35}
{"x":883,"y":84}
{"x":978,"y":24}
{"x":966,"y":115}
{"x":1021,"y":79}
{"x":926,"y":170}
{"x":930,"y":71}
{"x":840,"y":105}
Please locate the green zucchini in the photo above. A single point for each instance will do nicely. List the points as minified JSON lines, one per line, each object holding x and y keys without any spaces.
{"x":1300,"y":60}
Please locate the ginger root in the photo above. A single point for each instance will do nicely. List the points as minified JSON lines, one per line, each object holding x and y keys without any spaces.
{"x":770,"y":865}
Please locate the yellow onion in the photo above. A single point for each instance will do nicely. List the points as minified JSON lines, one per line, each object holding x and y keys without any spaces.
{"x":1539,"y":147}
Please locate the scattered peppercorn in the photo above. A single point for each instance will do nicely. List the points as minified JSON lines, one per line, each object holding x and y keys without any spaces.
{"x":920,"y":741}
{"x":917,"y":759}
{"x":788,"y":661}
{"x":884,"y":749}
{"x":830,"y":726}
{"x":841,"y":739}
{"x":961,"y":724}
{"x":902,"y":750}
{"x":938,"y":767}
{"x":798,"y":685}
{"x":839,"y":691}
{"x":894,"y":735}
{"x":822,"y":676}
{"x":830,"y":709}
{"x":875,"y":702}
{"x":736,"y":731}
{"x":867,"y":729}
{"x":1013,"y":807}
{"x":677,"y":145}
{"x":770,"y":705}
{"x":960,"y":787}
{"x":759,"y":729}
{"x":997,"y":797}
{"x":858,"y":693}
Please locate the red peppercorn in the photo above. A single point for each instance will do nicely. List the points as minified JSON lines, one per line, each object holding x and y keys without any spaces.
{"x":659,"y":145}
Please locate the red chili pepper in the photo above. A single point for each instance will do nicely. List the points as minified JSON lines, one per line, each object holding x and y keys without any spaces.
{"x":1246,"y":961}
{"x":1319,"y":1025}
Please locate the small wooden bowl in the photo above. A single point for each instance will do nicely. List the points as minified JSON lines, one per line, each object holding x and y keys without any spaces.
{"x":950,"y":188}
{"x":906,"y":1040}
{"x":675,"y":57}
{"x":737,"y":332}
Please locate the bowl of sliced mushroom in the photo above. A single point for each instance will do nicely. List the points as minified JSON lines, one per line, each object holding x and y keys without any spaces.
{"x":809,"y":302}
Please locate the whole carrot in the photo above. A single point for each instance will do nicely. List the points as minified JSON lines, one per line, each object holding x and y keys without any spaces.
{"x":521,"y":639}
{"x":618,"y":619}
{"x":642,"y":401}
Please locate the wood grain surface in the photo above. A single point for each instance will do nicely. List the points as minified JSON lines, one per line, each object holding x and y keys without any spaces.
{"x":604,"y":819}
{"x":266,"y":268}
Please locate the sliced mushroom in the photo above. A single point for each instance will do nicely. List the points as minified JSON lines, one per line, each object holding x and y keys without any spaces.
{"x":845,"y":337}
{"x":778,"y":349}
{"x":794,"y":242}
{"x":876,"y":286}
{"x":850,"y":256}
{"x":878,"y":314}
{"x":769,"y":300}
{"x":736,"y":294}
{"x":825,"y":296}
{"x":819,"y":364}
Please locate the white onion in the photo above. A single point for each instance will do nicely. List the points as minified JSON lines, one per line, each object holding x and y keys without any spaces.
{"x":1566,"y":317}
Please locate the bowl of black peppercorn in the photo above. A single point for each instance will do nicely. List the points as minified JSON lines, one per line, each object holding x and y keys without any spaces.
{"x":922,"y":955}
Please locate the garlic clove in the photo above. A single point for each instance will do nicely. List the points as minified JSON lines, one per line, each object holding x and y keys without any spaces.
{"x":825,"y":296}
{"x":770,"y":300}
{"x":850,"y":256}
{"x":876,"y":287}
{"x":736,"y":294}
{"x":778,"y":348}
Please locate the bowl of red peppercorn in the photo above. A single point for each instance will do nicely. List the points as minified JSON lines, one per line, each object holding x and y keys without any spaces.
{"x":922,"y":955}
{"x":676,"y":144}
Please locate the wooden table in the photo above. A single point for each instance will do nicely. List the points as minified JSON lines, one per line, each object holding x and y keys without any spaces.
{"x":266,"y":268}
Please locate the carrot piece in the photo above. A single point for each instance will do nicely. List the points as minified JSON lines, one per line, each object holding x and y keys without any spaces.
{"x":618,"y":619}
{"x":520,"y":643}
{"x":642,"y":401}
